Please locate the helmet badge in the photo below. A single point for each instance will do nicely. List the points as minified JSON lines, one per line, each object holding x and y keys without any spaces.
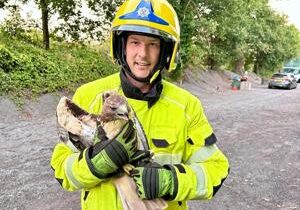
{"x":144,"y":11}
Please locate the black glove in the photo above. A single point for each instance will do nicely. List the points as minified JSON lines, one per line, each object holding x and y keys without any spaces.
{"x":153,"y":181}
{"x":106,"y":157}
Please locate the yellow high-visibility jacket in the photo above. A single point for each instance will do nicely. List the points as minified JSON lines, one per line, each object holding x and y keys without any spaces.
{"x":178,"y":133}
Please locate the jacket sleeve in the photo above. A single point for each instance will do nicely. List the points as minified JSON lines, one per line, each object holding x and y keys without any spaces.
{"x":204,"y":166}
{"x":71,"y":169}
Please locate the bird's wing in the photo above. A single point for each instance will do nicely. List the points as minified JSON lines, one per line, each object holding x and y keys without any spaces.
{"x":75,"y":120}
{"x":127,"y":193}
{"x":66,"y":119}
{"x":131,"y":201}
{"x":140,"y":132}
{"x":156,"y":204}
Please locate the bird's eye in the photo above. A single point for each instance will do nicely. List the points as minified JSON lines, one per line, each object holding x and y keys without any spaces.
{"x":114,"y":108}
{"x":106,"y":95}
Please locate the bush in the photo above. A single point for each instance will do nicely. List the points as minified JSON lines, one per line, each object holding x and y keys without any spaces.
{"x":8,"y":62}
{"x":28,"y":69}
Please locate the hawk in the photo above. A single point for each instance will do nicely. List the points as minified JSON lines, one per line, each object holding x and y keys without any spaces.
{"x":77,"y":128}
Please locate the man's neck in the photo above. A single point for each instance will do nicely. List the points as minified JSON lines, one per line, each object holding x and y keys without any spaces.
{"x":144,"y":87}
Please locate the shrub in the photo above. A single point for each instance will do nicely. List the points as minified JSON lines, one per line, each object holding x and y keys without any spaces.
{"x":26,"y":69}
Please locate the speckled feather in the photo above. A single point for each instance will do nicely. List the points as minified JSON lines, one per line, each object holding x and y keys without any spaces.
{"x":82,"y":127}
{"x":114,"y":115}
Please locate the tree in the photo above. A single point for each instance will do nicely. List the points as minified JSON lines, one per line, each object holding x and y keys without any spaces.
{"x":14,"y":25}
{"x":236,"y":32}
{"x":74,"y":24}
{"x":2,"y":3}
{"x":45,"y":23}
{"x":272,"y":40}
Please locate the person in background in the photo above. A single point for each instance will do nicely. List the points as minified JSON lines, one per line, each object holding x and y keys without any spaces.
{"x":145,"y":36}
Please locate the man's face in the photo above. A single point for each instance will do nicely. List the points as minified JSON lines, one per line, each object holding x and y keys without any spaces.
{"x":142,"y":54}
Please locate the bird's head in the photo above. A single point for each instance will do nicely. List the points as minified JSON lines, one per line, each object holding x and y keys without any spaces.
{"x":115,"y":107}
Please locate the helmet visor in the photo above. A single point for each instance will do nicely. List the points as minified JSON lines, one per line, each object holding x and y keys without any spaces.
{"x":143,"y":29}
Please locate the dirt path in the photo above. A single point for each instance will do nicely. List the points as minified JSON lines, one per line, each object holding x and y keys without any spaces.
{"x":259,"y":130}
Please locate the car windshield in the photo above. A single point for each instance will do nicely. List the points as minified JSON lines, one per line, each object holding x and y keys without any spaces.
{"x":288,"y":70}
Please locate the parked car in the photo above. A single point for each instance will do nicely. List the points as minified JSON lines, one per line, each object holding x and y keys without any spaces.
{"x":283,"y":80}
{"x":293,"y":70}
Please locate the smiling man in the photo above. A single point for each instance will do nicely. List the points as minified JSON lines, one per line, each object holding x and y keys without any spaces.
{"x":142,"y":54}
{"x":188,"y":164}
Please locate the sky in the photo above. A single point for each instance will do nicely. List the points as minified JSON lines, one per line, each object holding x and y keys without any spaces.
{"x":288,"y":7}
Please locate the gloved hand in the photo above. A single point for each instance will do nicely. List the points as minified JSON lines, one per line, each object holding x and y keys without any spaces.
{"x":106,"y":157}
{"x":141,"y":158}
{"x":153,"y":181}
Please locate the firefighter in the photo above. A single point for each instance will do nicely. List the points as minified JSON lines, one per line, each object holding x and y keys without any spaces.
{"x":144,"y":41}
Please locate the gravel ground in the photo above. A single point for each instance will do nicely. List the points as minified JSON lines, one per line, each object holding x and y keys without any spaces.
{"x":258,"y":129}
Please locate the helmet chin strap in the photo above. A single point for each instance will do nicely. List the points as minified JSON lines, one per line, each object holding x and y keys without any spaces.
{"x":149,"y":79}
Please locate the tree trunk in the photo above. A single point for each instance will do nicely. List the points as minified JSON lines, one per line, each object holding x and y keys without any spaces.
{"x":45,"y":18}
{"x":212,"y":64}
{"x":239,"y":66}
{"x":256,"y":69}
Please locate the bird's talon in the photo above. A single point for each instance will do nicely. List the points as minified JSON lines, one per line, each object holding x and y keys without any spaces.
{"x":128,"y":168}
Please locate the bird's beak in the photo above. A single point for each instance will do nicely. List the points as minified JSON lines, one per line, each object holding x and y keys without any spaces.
{"x":122,"y":112}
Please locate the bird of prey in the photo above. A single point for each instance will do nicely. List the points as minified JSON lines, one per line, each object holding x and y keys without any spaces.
{"x":82,"y":126}
{"x":77,"y":128}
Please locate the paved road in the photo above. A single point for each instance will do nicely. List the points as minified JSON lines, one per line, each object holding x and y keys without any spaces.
{"x":259,"y":130}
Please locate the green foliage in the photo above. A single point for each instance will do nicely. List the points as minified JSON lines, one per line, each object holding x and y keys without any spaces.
{"x":2,"y":3}
{"x":75,"y":24}
{"x":14,"y":25}
{"x":273,"y":41}
{"x":28,"y":69}
{"x":8,"y":62}
{"x":235,"y":34}
{"x":78,"y":26}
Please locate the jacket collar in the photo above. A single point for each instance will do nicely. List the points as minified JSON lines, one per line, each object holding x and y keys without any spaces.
{"x":131,"y":91}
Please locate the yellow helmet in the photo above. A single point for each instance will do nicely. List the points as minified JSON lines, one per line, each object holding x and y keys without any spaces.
{"x":151,"y":17}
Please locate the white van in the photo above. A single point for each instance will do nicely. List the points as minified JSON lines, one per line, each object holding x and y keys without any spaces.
{"x":293,"y":70}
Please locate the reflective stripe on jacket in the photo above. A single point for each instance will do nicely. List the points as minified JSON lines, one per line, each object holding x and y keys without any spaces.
{"x":178,"y":133}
